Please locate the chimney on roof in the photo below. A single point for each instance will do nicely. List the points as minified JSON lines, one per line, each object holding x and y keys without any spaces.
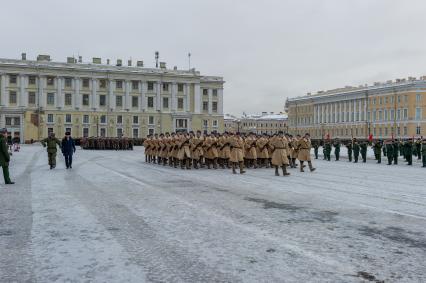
{"x":175,"y":68}
{"x":80,"y":59}
{"x":96,"y":60}
{"x":24,"y":56}
{"x":119,"y":63}
{"x":129,"y":62}
{"x":139,"y":63}
{"x":107,"y":61}
{"x":162,"y":65}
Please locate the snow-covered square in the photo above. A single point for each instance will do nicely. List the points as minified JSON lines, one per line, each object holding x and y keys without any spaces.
{"x":115,"y":218}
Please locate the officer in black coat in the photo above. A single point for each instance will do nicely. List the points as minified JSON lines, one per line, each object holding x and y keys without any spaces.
{"x":68,"y":149}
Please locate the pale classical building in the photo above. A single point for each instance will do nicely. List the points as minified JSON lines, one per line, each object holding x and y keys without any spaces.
{"x":268,"y":123}
{"x":392,"y":109}
{"x":95,"y":99}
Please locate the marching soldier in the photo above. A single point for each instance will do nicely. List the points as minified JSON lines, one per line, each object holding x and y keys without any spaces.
{"x":378,"y":150}
{"x":408,"y":149}
{"x":68,"y":149}
{"x":197,"y":149}
{"x":389,"y":151}
{"x":51,"y":143}
{"x":327,"y":148}
{"x":237,"y":153}
{"x":262,"y":147}
{"x":363,"y":150}
{"x":395,"y":151}
{"x":210,"y":151}
{"x":316,"y":146}
{"x":224,"y":150}
{"x":184,"y":154}
{"x":419,"y":148}
{"x":250,"y":151}
{"x":423,"y":152}
{"x":304,"y":146}
{"x":279,"y":144}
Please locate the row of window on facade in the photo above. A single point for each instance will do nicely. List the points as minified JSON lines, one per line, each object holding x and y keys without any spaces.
{"x":262,"y":125}
{"x":102,"y":132}
{"x":50,"y":81}
{"x":375,"y":115}
{"x":50,"y":100}
{"x":391,"y":99}
{"x":376,"y":132}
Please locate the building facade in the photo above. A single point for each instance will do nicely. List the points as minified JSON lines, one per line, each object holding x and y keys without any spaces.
{"x":265,"y":123}
{"x":94,"y":99}
{"x":384,"y":110}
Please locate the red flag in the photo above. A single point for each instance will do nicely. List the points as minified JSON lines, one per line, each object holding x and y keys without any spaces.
{"x":370,"y":137}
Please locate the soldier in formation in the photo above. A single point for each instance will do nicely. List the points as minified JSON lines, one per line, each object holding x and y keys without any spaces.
{"x":4,"y":157}
{"x":228,"y":150}
{"x":102,"y":143}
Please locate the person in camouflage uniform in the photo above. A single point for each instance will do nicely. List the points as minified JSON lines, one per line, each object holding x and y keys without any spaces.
{"x":4,"y":157}
{"x":418,"y":148}
{"x":389,"y":149}
{"x":51,"y":142}
{"x":315,"y":146}
{"x":336,"y":145}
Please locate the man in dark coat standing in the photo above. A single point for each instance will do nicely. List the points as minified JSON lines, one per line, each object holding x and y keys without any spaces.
{"x":4,"y":156}
{"x":68,"y":149}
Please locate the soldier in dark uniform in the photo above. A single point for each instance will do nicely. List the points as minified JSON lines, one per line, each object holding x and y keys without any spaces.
{"x":389,"y":151}
{"x":378,"y":150}
{"x":423,"y":152}
{"x":408,"y":150}
{"x":4,"y":157}
{"x":316,"y":146}
{"x":419,"y":148}
{"x":349,"y":147}
{"x":327,"y":147}
{"x":363,"y":149}
{"x":336,"y":145}
{"x":68,"y":149}
{"x":395,"y":151}
{"x":356,"y":150}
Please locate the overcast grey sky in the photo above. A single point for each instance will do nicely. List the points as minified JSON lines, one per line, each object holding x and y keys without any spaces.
{"x":266,"y":50}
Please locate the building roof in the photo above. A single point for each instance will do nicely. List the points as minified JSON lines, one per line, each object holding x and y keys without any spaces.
{"x":263,"y":116}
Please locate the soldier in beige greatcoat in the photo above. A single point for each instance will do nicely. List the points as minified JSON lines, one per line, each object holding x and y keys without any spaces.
{"x":304,"y":146}
{"x":224,"y":150}
{"x":262,"y":150}
{"x":237,"y":152}
{"x":250,"y":151}
{"x":279,"y":145}
{"x":197,"y":150}
{"x":210,"y":151}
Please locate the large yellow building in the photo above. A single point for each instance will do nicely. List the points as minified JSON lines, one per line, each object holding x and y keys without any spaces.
{"x":95,"y":99}
{"x":384,"y":110}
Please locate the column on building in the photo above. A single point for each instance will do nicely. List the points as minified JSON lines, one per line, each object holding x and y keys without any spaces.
{"x":111,"y":96}
{"x":344,"y":112}
{"x":158,"y":96}
{"x":127,"y":99}
{"x":142,"y":89}
{"x":59,"y":93}
{"x":94,"y":100}
{"x":210,"y":102}
{"x":174,"y":97}
{"x":77,"y":96}
{"x":23,"y":97}
{"x":197,"y":98}
{"x":220,"y":101}
{"x":3,"y":90}
{"x":360,"y":110}
{"x":354,"y":111}
{"x":41,"y":93}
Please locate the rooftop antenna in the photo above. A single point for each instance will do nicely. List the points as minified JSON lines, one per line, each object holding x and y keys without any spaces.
{"x":189,"y":60}
{"x":157,"y":56}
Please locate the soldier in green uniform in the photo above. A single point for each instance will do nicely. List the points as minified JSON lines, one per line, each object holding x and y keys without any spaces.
{"x":355,"y":147}
{"x":389,"y":149}
{"x":316,"y":146}
{"x":349,"y":147}
{"x":51,"y":143}
{"x":4,"y":157}
{"x":378,"y":150}
{"x":419,"y":148}
{"x":363,"y":149}
{"x":423,"y":151}
{"x":395,"y":151}
{"x":408,"y":150}
{"x":336,"y":145}
{"x":327,"y":148}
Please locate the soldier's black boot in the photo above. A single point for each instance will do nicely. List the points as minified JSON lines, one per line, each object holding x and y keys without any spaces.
{"x":285,"y":173}
{"x":176,"y":163}
{"x":290,"y":160}
{"x":310,"y":166}
{"x":242,"y":168}
{"x":294,"y":162}
{"x":276,"y":171}
{"x":233,"y":168}
{"x":255,"y":164}
{"x":301,"y":166}
{"x":188,"y":165}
